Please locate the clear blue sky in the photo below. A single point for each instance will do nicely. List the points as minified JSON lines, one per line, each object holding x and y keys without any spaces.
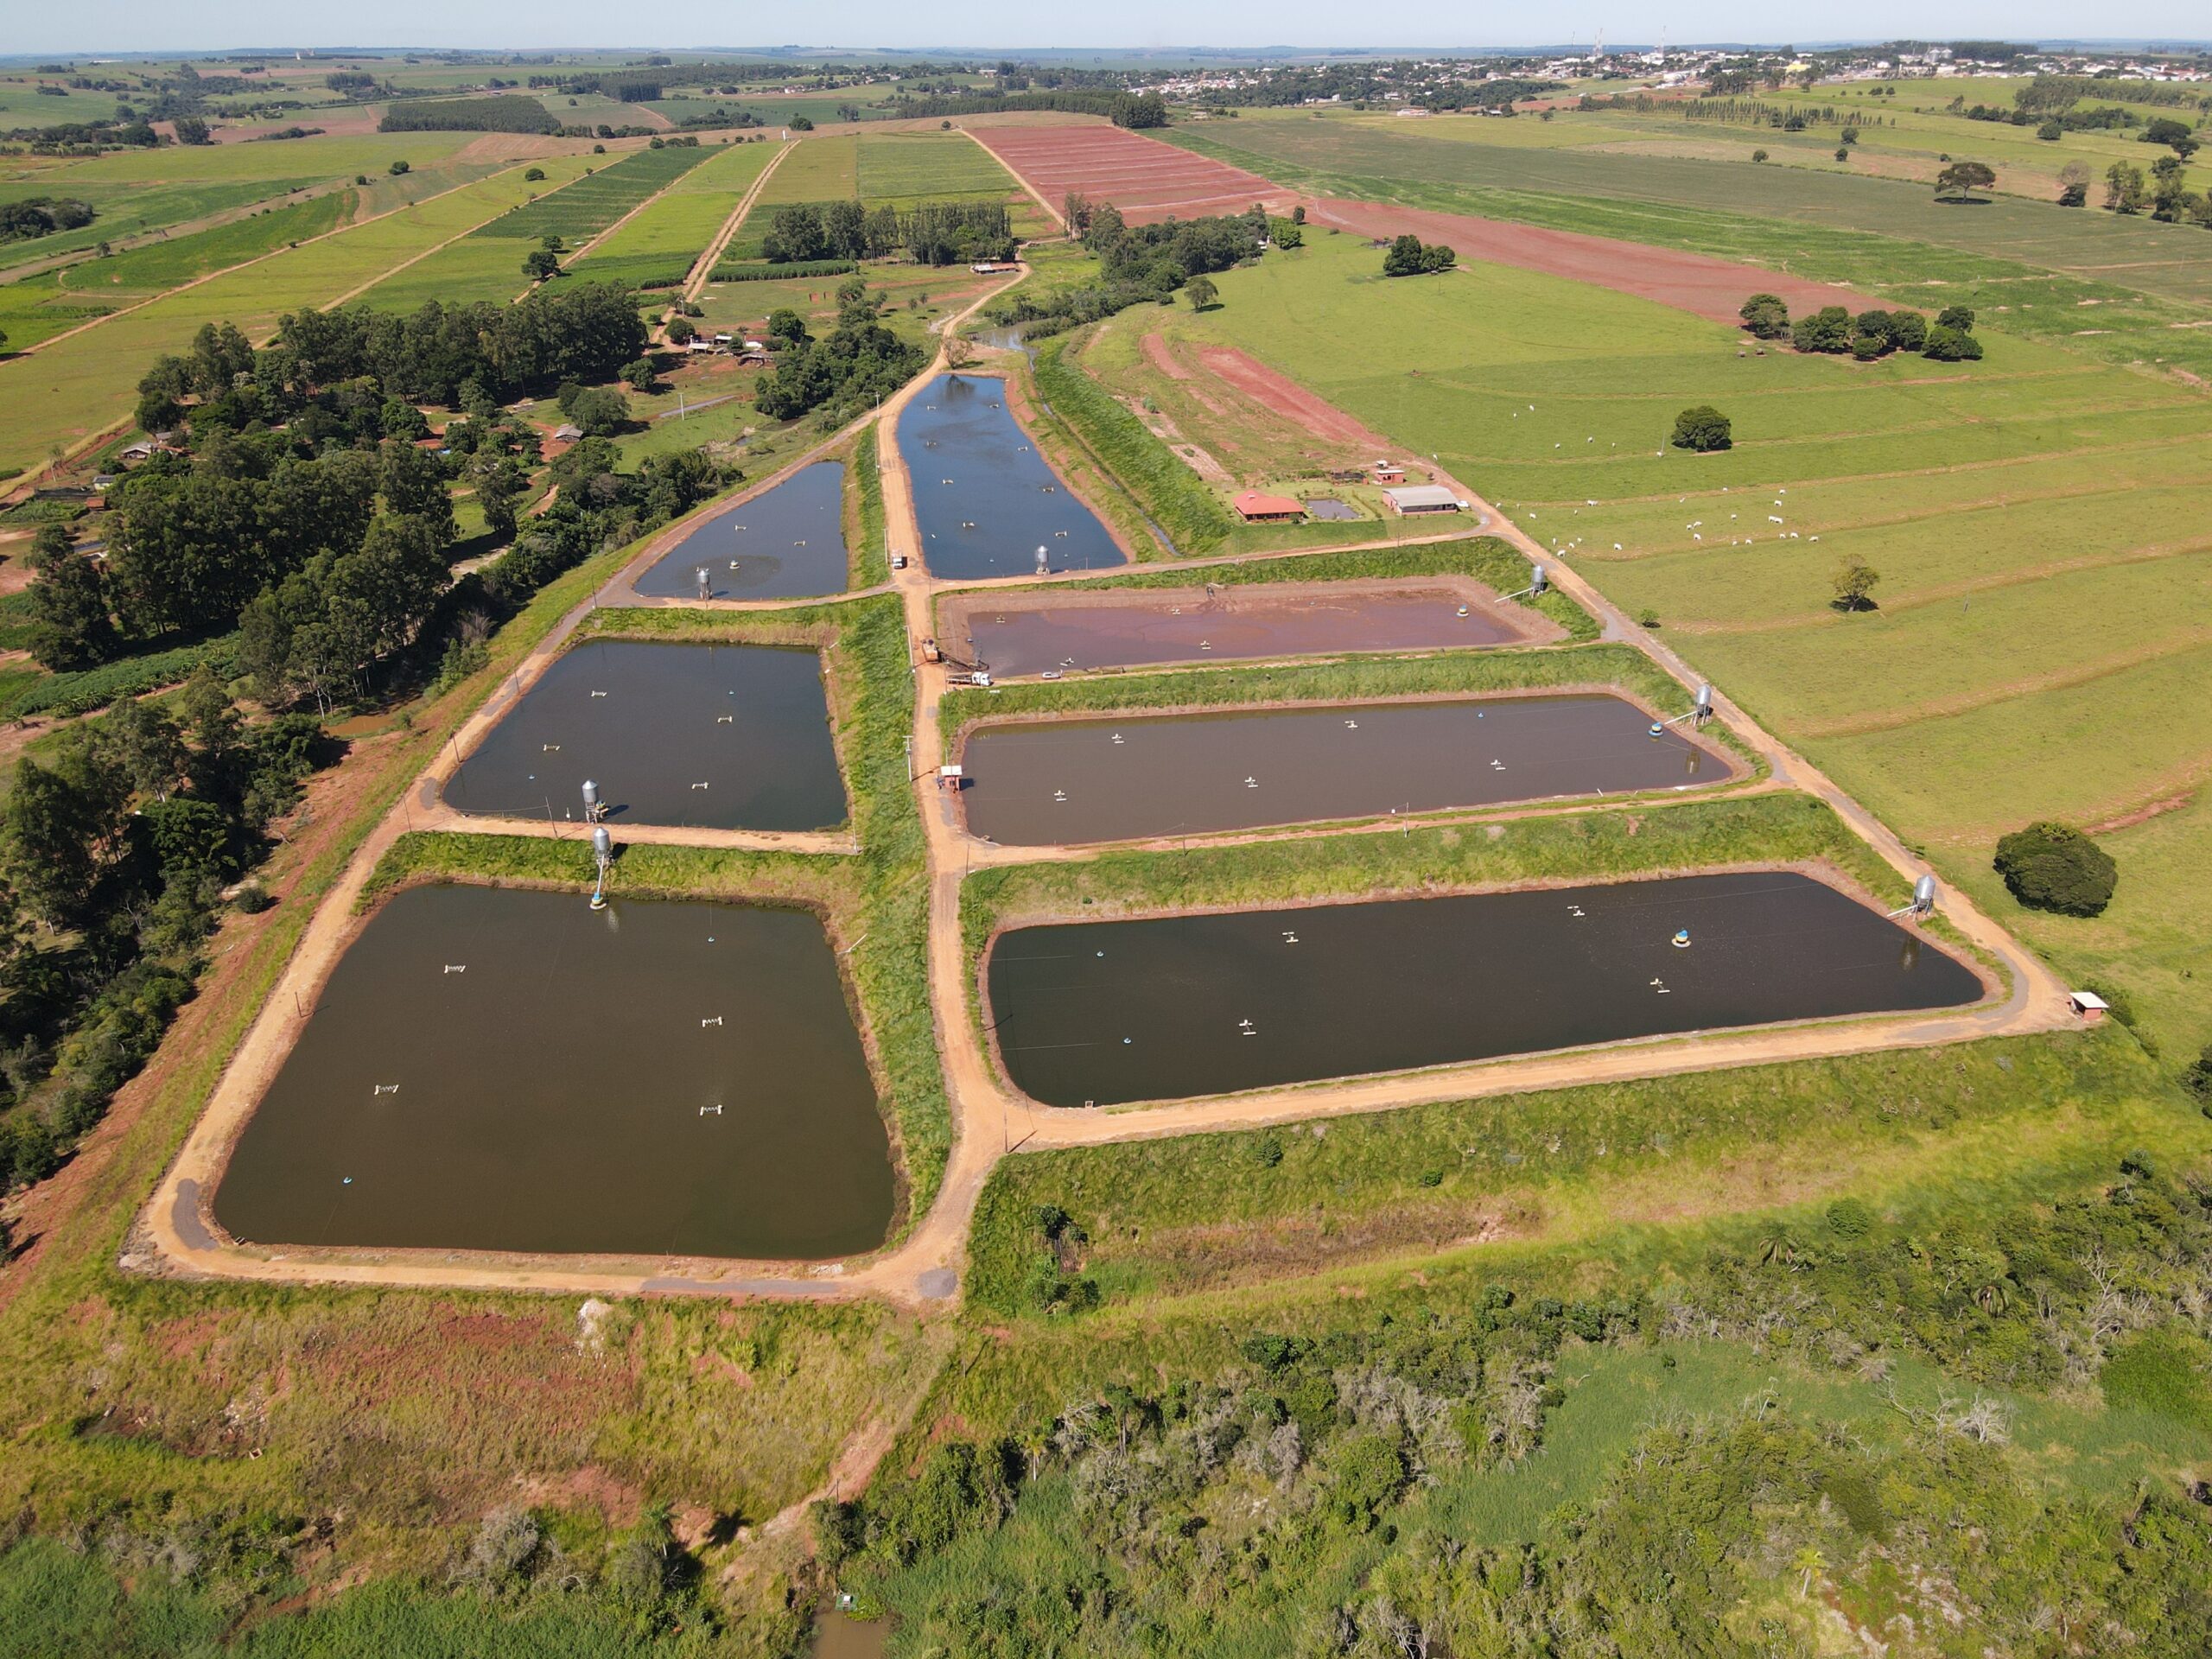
{"x":93,"y":26}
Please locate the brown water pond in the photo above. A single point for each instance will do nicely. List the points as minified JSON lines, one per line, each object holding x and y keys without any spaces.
{"x":1174,"y":1006}
{"x":1070,"y":632}
{"x":498,"y":1070}
{"x":1038,"y":783}
{"x":726,"y":737}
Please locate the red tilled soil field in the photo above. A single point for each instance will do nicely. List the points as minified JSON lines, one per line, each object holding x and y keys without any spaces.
{"x":1689,"y":282}
{"x":1146,"y":179}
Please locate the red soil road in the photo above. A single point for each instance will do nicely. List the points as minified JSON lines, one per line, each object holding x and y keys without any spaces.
{"x":1146,"y":179}
{"x":1286,"y":398}
{"x":1689,"y":282}
{"x":1155,"y":351}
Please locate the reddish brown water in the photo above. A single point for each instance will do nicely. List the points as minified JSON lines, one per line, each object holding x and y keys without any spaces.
{"x":1184,"y":627}
{"x":1042,"y":783}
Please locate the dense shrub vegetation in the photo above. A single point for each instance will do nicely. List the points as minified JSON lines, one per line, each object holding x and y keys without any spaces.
{"x":116,"y":850}
{"x":1138,"y":263}
{"x":1320,"y":1486}
{"x":859,"y":363}
{"x":2054,"y":867}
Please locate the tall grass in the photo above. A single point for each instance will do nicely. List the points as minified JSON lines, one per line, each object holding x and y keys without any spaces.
{"x":1171,"y":495}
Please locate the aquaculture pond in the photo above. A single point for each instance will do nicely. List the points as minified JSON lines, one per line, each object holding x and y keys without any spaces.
{"x":1068,"y":632}
{"x":785,"y":543}
{"x":500,"y":1070}
{"x":1048,"y":782}
{"x":718,"y":737}
{"x":1160,"y":1009}
{"x":985,"y":499}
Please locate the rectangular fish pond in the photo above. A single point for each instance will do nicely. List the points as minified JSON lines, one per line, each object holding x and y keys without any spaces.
{"x":1166,"y":1009}
{"x":500,"y":1069}
{"x":1068,"y":632}
{"x":712,"y":736}
{"x":785,"y":543}
{"x":985,"y":499}
{"x":1039,"y":783}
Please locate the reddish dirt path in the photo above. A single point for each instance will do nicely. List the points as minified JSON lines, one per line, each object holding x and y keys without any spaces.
{"x":1689,"y":282}
{"x":1156,"y":352}
{"x":1146,"y":179}
{"x":1290,"y":400}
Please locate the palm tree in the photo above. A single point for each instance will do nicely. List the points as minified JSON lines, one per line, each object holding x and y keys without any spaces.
{"x":1807,"y":1561}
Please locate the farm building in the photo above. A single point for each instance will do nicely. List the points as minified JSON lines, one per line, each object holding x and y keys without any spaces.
{"x":1411,"y":499}
{"x":1257,"y":507}
{"x":1389,"y":472}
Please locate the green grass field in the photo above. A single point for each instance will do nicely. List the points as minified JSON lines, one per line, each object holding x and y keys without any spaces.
{"x":1807,"y":221}
{"x":487,"y":264}
{"x":135,"y":191}
{"x":672,"y":233}
{"x":2046,"y":576}
{"x":84,"y":384}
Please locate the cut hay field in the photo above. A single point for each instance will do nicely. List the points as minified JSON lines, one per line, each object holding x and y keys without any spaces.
{"x":82,"y":385}
{"x":2046,"y":600}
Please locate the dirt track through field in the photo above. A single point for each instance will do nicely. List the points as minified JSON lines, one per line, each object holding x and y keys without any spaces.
{"x":1689,"y":282}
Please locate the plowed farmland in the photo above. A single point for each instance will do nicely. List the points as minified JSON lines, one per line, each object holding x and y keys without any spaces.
{"x":1146,"y":179}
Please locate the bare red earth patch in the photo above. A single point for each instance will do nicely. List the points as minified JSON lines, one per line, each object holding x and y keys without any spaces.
{"x":1146,"y":179}
{"x":1287,"y":399}
{"x":1155,"y":351}
{"x":1688,"y":281}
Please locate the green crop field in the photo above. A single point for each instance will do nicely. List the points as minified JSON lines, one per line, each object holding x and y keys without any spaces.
{"x":905,"y":166}
{"x":135,"y":191}
{"x":158,"y":266}
{"x":673,"y":231}
{"x":820,"y":169}
{"x":84,"y":384}
{"x":2047,"y":578}
{"x":487,"y":264}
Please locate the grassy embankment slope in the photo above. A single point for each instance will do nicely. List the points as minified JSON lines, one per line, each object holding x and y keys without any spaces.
{"x":2031,"y":515}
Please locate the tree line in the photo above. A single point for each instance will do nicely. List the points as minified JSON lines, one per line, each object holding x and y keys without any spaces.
{"x":1142,"y":264}
{"x":857,"y":364}
{"x":1134,"y":110}
{"x":933,"y":233}
{"x":117,"y":849}
{"x":1872,"y":333}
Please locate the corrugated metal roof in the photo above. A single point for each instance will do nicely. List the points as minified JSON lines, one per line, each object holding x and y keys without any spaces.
{"x":1421,"y":495}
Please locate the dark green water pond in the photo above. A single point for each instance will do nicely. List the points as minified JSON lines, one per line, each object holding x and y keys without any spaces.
{"x":720,"y":737}
{"x":1166,"y":1009}
{"x":500,"y":1070}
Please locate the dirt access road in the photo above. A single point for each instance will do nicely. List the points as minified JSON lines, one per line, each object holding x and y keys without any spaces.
{"x":989,"y":1119}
